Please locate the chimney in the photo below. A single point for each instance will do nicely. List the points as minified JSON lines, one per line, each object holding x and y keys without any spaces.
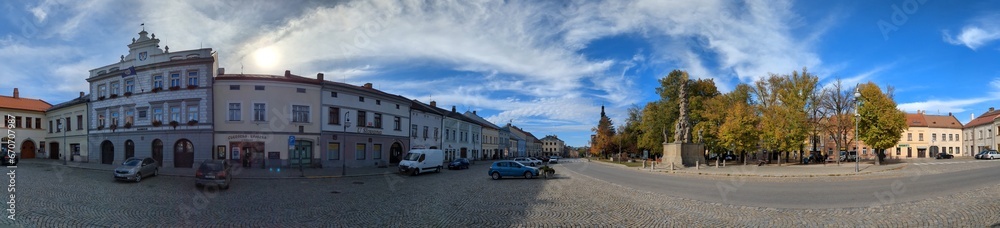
{"x":452,"y":108}
{"x":288,"y":73}
{"x":222,"y":71}
{"x":319,"y":76}
{"x":434,"y":104}
{"x":474,"y":112}
{"x":81,"y":94}
{"x":368,"y":85}
{"x":949,"y":114}
{"x":16,"y":95}
{"x":991,"y":108}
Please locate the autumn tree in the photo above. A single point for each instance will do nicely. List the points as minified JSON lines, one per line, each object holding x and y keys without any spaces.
{"x":628,"y":133}
{"x":739,"y":130}
{"x":838,"y":119}
{"x":604,"y":134}
{"x":784,"y":102}
{"x":880,"y":123}
{"x":660,"y":117}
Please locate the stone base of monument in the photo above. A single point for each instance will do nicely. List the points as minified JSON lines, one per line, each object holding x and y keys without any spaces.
{"x":683,"y":154}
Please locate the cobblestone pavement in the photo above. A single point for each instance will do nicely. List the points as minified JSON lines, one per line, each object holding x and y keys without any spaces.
{"x":56,"y":196}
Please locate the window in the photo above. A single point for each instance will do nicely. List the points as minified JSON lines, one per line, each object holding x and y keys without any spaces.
{"x":59,"y":125}
{"x":192,"y":113}
{"x":377,"y":151}
{"x":909,"y":136}
{"x":397,"y":106}
{"x":378,"y":102}
{"x":175,"y":79}
{"x":397,"y":123}
{"x":115,"y":88}
{"x":102,"y":91}
{"x":300,"y":113}
{"x":333,"y":94}
{"x":38,"y":122}
{"x":192,"y":78}
{"x":300,"y":90}
{"x":258,"y":111}
{"x":157,"y":82}
{"x":114,"y":118}
{"x":359,"y":151}
{"x":951,"y":137}
{"x":27,"y":122}
{"x":435,"y":133}
{"x":175,"y":114}
{"x":933,"y":137}
{"x":234,"y":111}
{"x":362,"y":117}
{"x":234,"y":87}
{"x":158,"y":114}
{"x":100,"y":120}
{"x":50,"y":124}
{"x":258,"y":87}
{"x":333,"y":151}
{"x":426,"y":130}
{"x":130,"y":85}
{"x":79,"y":122}
{"x":142,"y":114}
{"x":129,"y":116}
{"x":378,"y":120}
{"x":334,"y":115}
{"x":413,"y":130}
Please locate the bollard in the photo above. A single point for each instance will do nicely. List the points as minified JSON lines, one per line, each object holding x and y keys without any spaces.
{"x":696,"y":165}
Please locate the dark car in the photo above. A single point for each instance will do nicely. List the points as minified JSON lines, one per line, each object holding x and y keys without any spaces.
{"x":7,"y":161}
{"x":461,"y":163}
{"x":214,"y":172}
{"x":542,"y":158}
{"x":944,"y":156}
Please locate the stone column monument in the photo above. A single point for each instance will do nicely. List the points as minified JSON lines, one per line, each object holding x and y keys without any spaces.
{"x":682,"y":152}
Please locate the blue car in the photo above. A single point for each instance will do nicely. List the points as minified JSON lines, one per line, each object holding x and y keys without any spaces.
{"x":461,"y":163}
{"x":500,"y":169}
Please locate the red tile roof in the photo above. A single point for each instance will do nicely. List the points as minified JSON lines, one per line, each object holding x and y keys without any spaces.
{"x":22,"y":103}
{"x":915,"y":120}
{"x":986,"y":118}
{"x":937,"y":121}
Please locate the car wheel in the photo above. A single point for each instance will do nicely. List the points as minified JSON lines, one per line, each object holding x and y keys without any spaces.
{"x":438,"y":170}
{"x":414,"y":172}
{"x":496,"y":175}
{"x":527,"y":175}
{"x":138,"y":177}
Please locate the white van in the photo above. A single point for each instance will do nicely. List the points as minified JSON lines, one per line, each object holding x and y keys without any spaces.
{"x":421,"y":161}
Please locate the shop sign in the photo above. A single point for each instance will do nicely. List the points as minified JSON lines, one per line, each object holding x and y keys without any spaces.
{"x":372,"y":131}
{"x":245,"y":136}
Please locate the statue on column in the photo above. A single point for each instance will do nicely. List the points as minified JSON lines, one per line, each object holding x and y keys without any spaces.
{"x":682,"y":132}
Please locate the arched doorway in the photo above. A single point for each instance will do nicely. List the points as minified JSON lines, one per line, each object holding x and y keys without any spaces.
{"x":183,"y":153}
{"x":129,"y":149}
{"x":158,"y":151}
{"x":54,"y":150}
{"x":107,"y":152}
{"x":27,"y":149}
{"x":395,"y":153}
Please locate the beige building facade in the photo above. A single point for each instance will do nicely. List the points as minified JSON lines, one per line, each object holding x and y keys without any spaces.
{"x":929,"y":135}
{"x":24,"y":125}
{"x":68,"y":136}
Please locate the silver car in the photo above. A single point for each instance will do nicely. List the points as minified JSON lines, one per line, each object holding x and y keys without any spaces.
{"x":136,"y":169}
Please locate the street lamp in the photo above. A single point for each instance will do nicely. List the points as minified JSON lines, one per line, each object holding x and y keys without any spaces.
{"x":343,"y":159}
{"x":64,"y":144}
{"x":857,"y":118}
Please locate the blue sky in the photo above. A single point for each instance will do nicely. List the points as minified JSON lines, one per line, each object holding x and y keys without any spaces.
{"x":546,"y":66}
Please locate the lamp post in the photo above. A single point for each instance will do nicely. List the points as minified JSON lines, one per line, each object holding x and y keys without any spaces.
{"x":857,"y":118}
{"x":343,"y":159}
{"x":65,"y":157}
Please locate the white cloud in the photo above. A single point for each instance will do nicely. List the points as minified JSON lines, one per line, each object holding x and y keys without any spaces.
{"x":981,"y":31}
{"x":955,"y":105}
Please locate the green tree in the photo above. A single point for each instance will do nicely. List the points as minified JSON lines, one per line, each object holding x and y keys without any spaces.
{"x":604,"y":136}
{"x":660,"y":117}
{"x":880,"y":123}
{"x":739,"y":128}
{"x":785,"y":104}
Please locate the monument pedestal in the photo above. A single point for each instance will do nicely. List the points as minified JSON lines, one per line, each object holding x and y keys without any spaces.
{"x":683,"y":154}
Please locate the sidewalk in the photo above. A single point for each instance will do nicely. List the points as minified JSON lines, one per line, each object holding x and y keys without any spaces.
{"x":772,"y":170}
{"x":240,"y":172}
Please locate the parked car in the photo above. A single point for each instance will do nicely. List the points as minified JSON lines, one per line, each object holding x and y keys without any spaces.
{"x":527,"y":161}
{"x":137,"y":168}
{"x":542,"y":158}
{"x":991,"y":154}
{"x":214,"y":172}
{"x":461,"y":163}
{"x":944,"y":156}
{"x":983,"y":154}
{"x":8,"y":159}
{"x":848,"y":156}
{"x":553,"y":159}
{"x":421,"y":161}
{"x":500,"y":169}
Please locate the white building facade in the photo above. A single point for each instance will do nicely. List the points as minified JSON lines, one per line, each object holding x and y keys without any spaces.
{"x":490,"y":136}
{"x":981,"y":133}
{"x":362,"y":126}
{"x":68,"y":138}
{"x":425,"y":126}
{"x":154,"y":103}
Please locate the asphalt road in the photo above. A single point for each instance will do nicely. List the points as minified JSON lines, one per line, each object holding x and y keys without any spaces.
{"x":913,"y":186}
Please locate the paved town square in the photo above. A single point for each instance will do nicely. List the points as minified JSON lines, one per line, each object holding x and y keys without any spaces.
{"x":51,"y":195}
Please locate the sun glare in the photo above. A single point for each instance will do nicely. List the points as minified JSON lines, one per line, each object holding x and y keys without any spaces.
{"x":267,"y":57}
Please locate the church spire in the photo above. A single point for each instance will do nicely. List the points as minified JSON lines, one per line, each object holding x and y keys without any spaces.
{"x":602,"y":110}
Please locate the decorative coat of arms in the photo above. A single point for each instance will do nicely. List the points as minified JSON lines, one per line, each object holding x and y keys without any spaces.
{"x":142,"y":56}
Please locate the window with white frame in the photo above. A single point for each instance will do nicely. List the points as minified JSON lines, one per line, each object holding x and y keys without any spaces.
{"x":129,"y":116}
{"x":192,"y":78}
{"x":413,"y":130}
{"x":234,"y":111}
{"x":114,"y":118}
{"x":100,"y":119}
{"x":426,"y":131}
{"x":192,"y":112}
{"x":129,"y":85}
{"x":175,"y":79}
{"x":158,"y":114}
{"x":115,"y":88}
{"x":102,"y":91}
{"x":157,"y":81}
{"x":259,"y":111}
{"x":175,"y":113}
{"x":300,"y":113}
